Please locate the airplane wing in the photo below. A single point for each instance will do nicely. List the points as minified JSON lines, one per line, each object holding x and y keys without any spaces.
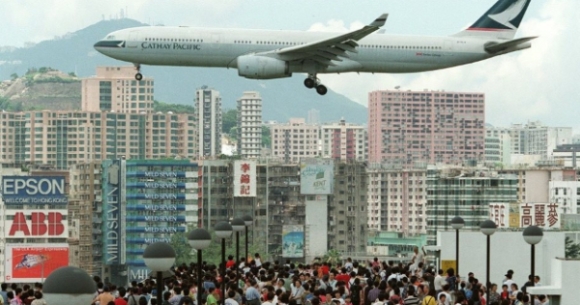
{"x":494,"y":47}
{"x":328,"y":50}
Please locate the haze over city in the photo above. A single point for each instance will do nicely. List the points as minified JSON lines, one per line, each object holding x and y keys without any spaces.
{"x":533,"y":85}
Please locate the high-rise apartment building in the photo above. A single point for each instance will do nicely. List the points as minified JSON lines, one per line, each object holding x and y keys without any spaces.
{"x":250,"y":125}
{"x":397,"y":200}
{"x":534,"y":138}
{"x":344,"y":141}
{"x":295,"y":140}
{"x":209,"y":116}
{"x":114,"y":89}
{"x":65,"y":138}
{"x":466,"y":193}
{"x":407,"y":127}
{"x":498,"y":149}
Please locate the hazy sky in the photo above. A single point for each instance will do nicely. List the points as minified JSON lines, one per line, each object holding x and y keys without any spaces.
{"x":536,"y":84}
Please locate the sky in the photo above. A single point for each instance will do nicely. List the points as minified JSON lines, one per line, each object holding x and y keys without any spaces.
{"x":536,"y":84}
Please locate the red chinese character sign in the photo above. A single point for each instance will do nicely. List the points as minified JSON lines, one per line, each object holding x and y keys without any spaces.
{"x":544,"y":215}
{"x":499,"y":213}
{"x":245,"y":178}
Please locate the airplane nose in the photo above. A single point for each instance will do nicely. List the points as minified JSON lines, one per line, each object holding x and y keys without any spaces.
{"x":109,"y":44}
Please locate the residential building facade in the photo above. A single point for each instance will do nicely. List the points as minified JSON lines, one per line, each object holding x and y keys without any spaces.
{"x":344,"y":141}
{"x":208,"y":103}
{"x":433,"y":127}
{"x":295,"y":140}
{"x":250,"y":125}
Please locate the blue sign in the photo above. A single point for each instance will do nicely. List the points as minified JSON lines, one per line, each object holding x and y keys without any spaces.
{"x":112,"y":216}
{"x":20,"y":190}
{"x":153,"y":218}
{"x":156,"y":207}
{"x":175,"y":196}
{"x":155,"y":229}
{"x":156,"y":185}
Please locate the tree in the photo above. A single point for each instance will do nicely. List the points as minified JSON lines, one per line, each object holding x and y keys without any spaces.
{"x":266,"y":136}
{"x":213,"y":253}
{"x":572,"y":248}
{"x":13,"y":76}
{"x":332,"y":256}
{"x":72,"y":74}
{"x":229,"y":120}
{"x":182,"y":248}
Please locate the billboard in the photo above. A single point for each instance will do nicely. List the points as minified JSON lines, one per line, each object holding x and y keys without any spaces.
{"x":514,"y":215}
{"x":30,"y":264}
{"x":316,"y":177}
{"x":244,"y":178}
{"x":37,"y":190}
{"x":36,"y":224}
{"x":114,"y":206}
{"x":292,"y":241}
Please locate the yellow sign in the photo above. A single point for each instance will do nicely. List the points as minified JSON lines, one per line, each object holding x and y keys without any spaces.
{"x":514,"y":215}
{"x":448,"y":264}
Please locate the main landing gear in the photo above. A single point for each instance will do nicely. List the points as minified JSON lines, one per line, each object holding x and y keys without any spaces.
{"x":138,"y":76}
{"x":313,"y":82}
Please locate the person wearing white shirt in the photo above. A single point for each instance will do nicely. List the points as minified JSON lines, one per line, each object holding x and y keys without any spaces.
{"x":230,"y":300}
{"x":439,"y":281}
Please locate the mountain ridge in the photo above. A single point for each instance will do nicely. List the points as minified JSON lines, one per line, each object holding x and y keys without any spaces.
{"x":282,"y":98}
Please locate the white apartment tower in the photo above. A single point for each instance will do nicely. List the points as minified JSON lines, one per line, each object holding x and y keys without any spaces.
{"x":295,"y":140}
{"x":209,"y":115}
{"x":250,"y":125}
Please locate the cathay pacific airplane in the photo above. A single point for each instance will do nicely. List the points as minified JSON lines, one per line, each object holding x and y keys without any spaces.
{"x":269,"y":54}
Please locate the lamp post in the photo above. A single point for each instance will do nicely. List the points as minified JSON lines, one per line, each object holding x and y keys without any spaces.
{"x":487,"y":227}
{"x":533,"y":235}
{"x":457,"y":223}
{"x":248,"y":221}
{"x":69,"y":286}
{"x":223,"y":230}
{"x":238,"y":225}
{"x":199,"y":239}
{"x":159,"y":257}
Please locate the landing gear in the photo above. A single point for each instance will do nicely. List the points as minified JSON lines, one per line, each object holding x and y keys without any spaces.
{"x":313,"y":82}
{"x":138,"y":76}
{"x":321,"y":89}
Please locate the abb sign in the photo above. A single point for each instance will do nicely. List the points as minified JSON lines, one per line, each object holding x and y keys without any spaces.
{"x":48,"y":224}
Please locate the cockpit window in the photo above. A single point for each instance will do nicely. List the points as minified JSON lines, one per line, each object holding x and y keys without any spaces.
{"x":110,"y":37}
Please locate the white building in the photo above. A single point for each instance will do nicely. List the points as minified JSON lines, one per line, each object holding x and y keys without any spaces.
{"x":344,"y":141}
{"x":498,"y":148}
{"x":209,"y":115}
{"x":567,"y":155}
{"x":566,"y":194}
{"x":396,"y":200}
{"x":250,"y":125}
{"x":295,"y":140}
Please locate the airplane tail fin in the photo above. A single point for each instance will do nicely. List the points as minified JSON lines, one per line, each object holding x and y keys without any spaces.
{"x":500,"y":22}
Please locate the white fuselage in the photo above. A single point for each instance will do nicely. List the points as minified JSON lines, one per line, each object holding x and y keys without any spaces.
{"x":204,"y":47}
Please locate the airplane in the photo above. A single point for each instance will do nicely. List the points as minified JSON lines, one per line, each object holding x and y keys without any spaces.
{"x":270,"y":54}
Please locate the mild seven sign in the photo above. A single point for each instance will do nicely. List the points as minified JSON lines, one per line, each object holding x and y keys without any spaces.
{"x":20,"y":190}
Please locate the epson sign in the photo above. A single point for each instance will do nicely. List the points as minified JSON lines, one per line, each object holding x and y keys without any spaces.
{"x":33,"y":190}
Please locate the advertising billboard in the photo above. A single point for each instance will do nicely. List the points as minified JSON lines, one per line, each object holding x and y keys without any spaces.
{"x":244,"y":178}
{"x":114,"y":212}
{"x":292,"y":241}
{"x":37,"y":190}
{"x":30,"y":264}
{"x":316,"y":176}
{"x":514,"y":215}
{"x":36,"y":224}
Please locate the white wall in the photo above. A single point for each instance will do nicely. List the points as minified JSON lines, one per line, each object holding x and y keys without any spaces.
{"x":508,"y":251}
{"x":316,"y":226}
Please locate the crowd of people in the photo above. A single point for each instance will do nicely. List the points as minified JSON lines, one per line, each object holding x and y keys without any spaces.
{"x":350,"y":282}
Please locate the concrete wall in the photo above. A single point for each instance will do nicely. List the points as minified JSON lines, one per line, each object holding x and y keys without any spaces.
{"x":316,"y":226}
{"x":537,"y":186}
{"x":508,"y":251}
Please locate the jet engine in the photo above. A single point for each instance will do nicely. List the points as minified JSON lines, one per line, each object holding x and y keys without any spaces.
{"x":262,"y":67}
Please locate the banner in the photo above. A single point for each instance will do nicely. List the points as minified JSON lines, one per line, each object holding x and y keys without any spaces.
{"x":514,"y":215}
{"x":30,"y":264}
{"x":244,"y":178}
{"x":36,"y":190}
{"x":113,"y":216}
{"x":292,"y":241}
{"x":316,"y":177}
{"x":36,"y":224}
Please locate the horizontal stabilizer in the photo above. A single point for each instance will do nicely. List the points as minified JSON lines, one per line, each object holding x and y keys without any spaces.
{"x":494,"y":47}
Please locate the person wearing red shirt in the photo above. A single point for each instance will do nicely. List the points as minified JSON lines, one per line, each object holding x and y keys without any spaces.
{"x":344,"y":277}
{"x":324,"y":269}
{"x":119,"y":300}
{"x":230,"y":263}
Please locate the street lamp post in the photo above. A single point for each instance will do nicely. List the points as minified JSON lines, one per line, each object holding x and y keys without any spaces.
{"x":159,"y":257}
{"x":457,"y":223}
{"x":223,"y":230}
{"x":68,"y":286}
{"x":248,"y":221}
{"x":238,"y":225}
{"x":487,"y":227}
{"x":533,"y":235}
{"x":199,"y":239}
